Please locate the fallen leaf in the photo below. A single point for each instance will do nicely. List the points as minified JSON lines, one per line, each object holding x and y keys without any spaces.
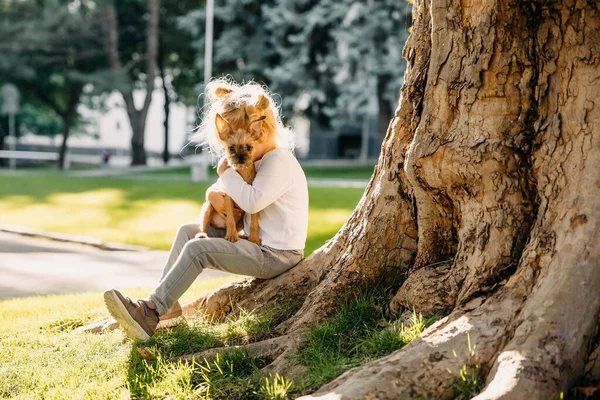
{"x":146,"y":353}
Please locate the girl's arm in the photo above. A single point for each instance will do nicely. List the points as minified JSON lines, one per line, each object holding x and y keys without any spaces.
{"x":271,"y":181}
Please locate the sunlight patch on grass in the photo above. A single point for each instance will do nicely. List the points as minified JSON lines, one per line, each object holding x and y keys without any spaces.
{"x":36,"y":312}
{"x":97,"y":198}
{"x":325,"y":220}
{"x":145,"y":213}
{"x":40,"y":358}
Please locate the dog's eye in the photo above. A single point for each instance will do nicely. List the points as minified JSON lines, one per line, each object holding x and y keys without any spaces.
{"x":249,"y":148}
{"x":232,"y":148}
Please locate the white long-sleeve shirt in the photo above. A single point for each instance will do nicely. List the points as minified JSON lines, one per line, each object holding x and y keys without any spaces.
{"x":279,"y":193}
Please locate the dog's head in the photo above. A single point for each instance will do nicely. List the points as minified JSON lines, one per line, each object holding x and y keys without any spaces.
{"x":240,"y":140}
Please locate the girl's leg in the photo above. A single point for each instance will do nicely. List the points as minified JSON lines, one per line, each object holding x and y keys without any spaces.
{"x":185,"y":233}
{"x":242,"y":257}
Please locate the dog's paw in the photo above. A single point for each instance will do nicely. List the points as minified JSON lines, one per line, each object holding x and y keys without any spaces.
{"x":255,"y":240}
{"x":232,"y":238}
{"x":201,"y":235}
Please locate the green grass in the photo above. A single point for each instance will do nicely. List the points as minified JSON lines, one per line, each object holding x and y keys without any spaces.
{"x":359,"y":333}
{"x":41,"y":358}
{"x":359,"y":172}
{"x":469,"y":381}
{"x":145,"y":213}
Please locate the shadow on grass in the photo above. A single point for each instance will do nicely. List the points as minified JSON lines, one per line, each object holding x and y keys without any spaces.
{"x":233,"y":374}
{"x":146,"y":375}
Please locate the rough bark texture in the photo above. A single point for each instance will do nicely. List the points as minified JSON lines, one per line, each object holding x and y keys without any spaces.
{"x":484,"y":205}
{"x":503,"y":167}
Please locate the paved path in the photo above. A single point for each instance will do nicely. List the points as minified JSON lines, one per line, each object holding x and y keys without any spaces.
{"x":31,"y":266}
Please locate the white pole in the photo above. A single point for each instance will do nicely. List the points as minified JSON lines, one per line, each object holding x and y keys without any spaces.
{"x":13,"y":139}
{"x":208,"y":41}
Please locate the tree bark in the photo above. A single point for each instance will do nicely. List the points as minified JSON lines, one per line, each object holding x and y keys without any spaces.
{"x":484,"y":198}
{"x":161,"y":68}
{"x":137,"y":117}
{"x":484,"y":205}
{"x":66,"y":128}
{"x":68,"y":117}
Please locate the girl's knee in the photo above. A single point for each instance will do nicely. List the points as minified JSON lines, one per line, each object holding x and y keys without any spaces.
{"x":189,"y":230}
{"x":195,"y":247}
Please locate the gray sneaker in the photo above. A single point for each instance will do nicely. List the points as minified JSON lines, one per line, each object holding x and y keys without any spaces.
{"x":136,"y":317}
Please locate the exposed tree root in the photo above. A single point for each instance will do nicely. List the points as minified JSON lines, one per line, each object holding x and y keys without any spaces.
{"x":108,"y":324}
{"x":269,"y":349}
{"x":279,"y":353}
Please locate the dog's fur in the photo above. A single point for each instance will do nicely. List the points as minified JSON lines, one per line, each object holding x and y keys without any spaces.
{"x":238,"y":134}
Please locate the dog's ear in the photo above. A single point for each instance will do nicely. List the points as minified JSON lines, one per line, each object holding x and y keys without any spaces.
{"x":263,"y":102}
{"x":223,"y":127}
{"x":255,"y":128}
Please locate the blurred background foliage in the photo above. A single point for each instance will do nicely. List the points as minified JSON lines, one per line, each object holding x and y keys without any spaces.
{"x":333,"y":61}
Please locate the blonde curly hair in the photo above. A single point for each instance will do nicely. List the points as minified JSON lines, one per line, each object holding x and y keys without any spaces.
{"x":236,"y":102}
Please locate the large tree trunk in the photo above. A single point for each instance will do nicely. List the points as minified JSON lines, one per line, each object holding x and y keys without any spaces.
{"x":493,"y":158}
{"x":137,"y":117}
{"x":484,"y":205}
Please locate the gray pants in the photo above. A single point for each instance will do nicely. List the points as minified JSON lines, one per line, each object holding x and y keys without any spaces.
{"x":190,"y":256}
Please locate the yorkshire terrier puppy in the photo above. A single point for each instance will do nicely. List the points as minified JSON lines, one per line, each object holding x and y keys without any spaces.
{"x":239,"y":144}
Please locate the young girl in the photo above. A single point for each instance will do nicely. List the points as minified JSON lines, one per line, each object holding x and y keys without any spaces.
{"x":279,"y":192}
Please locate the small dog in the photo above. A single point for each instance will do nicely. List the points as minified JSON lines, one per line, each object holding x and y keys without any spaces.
{"x":239,"y":146}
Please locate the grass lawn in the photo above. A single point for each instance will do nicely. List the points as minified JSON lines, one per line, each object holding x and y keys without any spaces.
{"x":145,"y":213}
{"x":41,"y":358}
{"x":311,"y":172}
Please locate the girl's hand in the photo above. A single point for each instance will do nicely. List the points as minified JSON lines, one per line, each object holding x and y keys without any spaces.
{"x":223,"y":165}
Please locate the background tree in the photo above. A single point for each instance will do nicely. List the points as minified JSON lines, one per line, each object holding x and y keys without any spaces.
{"x":51,"y":54}
{"x":176,"y":61}
{"x":368,"y":60}
{"x":326,"y":51}
{"x":128,"y":77}
{"x":241,"y":40}
{"x":305,"y":45}
{"x":33,"y":118}
{"x":483,"y":206}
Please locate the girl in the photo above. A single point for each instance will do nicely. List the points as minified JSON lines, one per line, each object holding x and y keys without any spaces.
{"x":279,"y":192}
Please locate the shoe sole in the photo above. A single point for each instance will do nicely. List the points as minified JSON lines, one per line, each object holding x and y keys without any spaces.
{"x":120,"y":313}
